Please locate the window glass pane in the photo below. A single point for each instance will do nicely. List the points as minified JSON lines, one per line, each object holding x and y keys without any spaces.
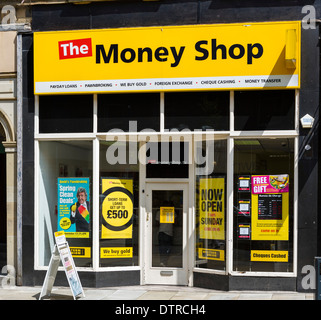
{"x":65,"y":168}
{"x":167,"y":233}
{"x":264,"y":110}
{"x":119,"y":204}
{"x":115,"y":111}
{"x":65,"y":113}
{"x":197,"y":110}
{"x":211,"y":209}
{"x":263,"y":205}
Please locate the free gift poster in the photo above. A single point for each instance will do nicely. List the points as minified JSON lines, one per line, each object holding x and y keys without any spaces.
{"x":270,"y":207}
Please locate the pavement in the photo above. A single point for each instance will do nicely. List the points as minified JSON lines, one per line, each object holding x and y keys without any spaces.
{"x":149,"y":292}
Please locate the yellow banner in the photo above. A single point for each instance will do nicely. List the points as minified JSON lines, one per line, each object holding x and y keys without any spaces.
{"x":193,"y":57}
{"x":269,"y":256}
{"x":80,"y":252}
{"x":118,"y":252}
{"x":211,"y":254}
{"x":212,"y":208}
{"x":117,"y":208}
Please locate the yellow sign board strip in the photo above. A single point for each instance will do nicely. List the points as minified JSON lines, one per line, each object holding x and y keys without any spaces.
{"x":80,"y":252}
{"x":269,"y":256}
{"x":193,"y":57}
{"x":211,"y":254}
{"x":116,"y":252}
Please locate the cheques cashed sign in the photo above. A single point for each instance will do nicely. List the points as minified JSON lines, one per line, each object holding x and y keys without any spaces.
{"x":216,"y":57}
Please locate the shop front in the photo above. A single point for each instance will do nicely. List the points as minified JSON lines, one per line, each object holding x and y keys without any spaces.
{"x":169,"y":155}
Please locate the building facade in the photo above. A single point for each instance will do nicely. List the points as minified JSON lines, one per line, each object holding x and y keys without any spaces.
{"x":13,"y":20}
{"x":172,"y":142}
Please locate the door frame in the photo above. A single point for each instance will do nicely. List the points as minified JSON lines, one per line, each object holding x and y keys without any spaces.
{"x":188,"y":240}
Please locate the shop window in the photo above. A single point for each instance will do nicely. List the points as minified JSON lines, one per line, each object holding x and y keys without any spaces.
{"x":210,"y":204}
{"x":264,"y":110}
{"x":65,"y":198}
{"x":65,"y":113}
{"x":197,"y":110}
{"x":263,"y":205}
{"x":119,"y":204}
{"x":129,"y":112}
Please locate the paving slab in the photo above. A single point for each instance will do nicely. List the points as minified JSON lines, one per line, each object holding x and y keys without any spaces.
{"x":125,"y":295}
{"x":190,"y":296}
{"x":92,"y":294}
{"x":157,"y":295}
{"x":255,"y":296}
{"x":288,"y":296}
{"x":223,"y":296}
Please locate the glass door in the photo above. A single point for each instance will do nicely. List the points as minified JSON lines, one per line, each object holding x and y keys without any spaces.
{"x":166,"y":234}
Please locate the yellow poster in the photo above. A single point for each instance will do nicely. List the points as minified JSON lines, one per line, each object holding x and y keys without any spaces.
{"x":212,"y":208}
{"x":117,"y":252}
{"x":270,"y":207}
{"x":167,"y":215}
{"x":117,"y":208}
{"x":211,"y":254}
{"x":269,"y":255}
{"x":80,"y":252}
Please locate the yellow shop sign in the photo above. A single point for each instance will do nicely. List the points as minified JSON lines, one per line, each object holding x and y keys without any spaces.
{"x":195,"y":57}
{"x":269,"y":256}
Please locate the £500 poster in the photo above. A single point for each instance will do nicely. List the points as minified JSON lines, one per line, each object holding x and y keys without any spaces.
{"x":117,"y":208}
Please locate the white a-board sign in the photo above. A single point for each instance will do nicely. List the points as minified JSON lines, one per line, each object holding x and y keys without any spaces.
{"x":62,"y":253}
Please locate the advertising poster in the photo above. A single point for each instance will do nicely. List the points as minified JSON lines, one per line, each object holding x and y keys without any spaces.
{"x":244,"y":231}
{"x":244,"y":184}
{"x":117,"y":252}
{"x":212,"y":208}
{"x":68,"y":264}
{"x":167,"y":215}
{"x":211,"y":254}
{"x":74,"y":207}
{"x":80,"y":252}
{"x":71,"y":272}
{"x":244,"y":207}
{"x":117,"y":208}
{"x":270,"y":207}
{"x":269,"y":256}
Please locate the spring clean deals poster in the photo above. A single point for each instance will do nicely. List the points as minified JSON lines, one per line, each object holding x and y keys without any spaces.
{"x":270,"y":207}
{"x":74,"y":207}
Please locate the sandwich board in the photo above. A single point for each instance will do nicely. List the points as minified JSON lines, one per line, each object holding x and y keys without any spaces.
{"x":62,"y":253}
